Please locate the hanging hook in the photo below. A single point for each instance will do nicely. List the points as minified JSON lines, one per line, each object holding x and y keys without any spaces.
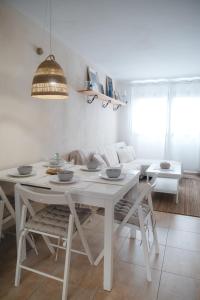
{"x":90,"y":99}
{"x":105,"y":103}
{"x":115,"y":107}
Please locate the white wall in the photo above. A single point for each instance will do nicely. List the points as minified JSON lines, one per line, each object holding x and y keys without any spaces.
{"x":124,"y":122}
{"x":34,"y":129}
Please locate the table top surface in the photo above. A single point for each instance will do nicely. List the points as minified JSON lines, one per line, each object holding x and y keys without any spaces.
{"x":174,"y":170}
{"x":87,"y":183}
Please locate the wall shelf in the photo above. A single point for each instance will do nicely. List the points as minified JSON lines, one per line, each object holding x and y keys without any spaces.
{"x":92,"y":95}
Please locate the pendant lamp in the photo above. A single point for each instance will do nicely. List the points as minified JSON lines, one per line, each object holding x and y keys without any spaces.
{"x":49,"y":81}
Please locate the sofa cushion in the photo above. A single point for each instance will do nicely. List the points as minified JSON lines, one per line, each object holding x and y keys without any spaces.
{"x":110,"y":156}
{"x":102,"y":162}
{"x":132,"y":165}
{"x":126,"y":154}
{"x":139,"y":164}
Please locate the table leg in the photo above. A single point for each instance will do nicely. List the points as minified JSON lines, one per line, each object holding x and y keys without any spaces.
{"x":18,"y":210}
{"x":108,"y":246}
{"x":177,"y":192}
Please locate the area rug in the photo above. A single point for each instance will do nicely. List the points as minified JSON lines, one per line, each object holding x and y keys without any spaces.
{"x":189,"y":198}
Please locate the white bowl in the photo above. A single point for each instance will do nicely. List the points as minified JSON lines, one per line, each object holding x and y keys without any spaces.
{"x":92,"y":164}
{"x":24,"y":170}
{"x":113,"y":172}
{"x":165,"y":165}
{"x":65,"y":175}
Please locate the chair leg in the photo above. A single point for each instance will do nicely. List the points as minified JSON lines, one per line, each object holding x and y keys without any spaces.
{"x":144,"y":244}
{"x":155,"y":236}
{"x":7,"y":203}
{"x":80,"y":231}
{"x":67,"y":258}
{"x":133,"y":232}
{"x":48,"y":243}
{"x":153,"y":223}
{"x":85,"y":244}
{"x":19,"y":255}
{"x":1,"y":217}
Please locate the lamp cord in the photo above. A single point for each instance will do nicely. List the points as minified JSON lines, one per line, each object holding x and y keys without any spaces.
{"x":50,"y":25}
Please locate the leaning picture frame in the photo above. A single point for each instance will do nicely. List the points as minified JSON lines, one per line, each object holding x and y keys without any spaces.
{"x":109,"y":87}
{"x":101,"y":88}
{"x":93,"y":78}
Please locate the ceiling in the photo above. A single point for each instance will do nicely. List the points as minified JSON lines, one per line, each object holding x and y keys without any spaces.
{"x":130,"y":39}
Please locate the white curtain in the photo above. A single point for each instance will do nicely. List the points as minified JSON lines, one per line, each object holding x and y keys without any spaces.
{"x":165,"y":122}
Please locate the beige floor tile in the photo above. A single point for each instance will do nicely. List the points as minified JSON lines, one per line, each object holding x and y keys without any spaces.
{"x":182,"y":262}
{"x":29,"y":283}
{"x":162,"y":219}
{"x":96,"y":222}
{"x":93,"y":278}
{"x":97,"y":225}
{"x":96,"y":242}
{"x":175,"y":287}
{"x":130,"y":283}
{"x":124,"y":232}
{"x":162,"y":235}
{"x":132,"y":252}
{"x":52,"y":290}
{"x":79,"y":266}
{"x":185,"y":223}
{"x":184,"y":240}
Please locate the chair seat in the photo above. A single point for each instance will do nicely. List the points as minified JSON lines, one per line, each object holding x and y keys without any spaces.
{"x":121,"y":210}
{"x":123,"y":207}
{"x":54,"y":219}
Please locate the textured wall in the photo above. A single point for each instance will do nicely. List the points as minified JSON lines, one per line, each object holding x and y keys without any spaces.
{"x":34,"y":129}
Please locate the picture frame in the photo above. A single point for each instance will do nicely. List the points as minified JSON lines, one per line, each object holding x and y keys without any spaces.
{"x":109,"y":87}
{"x":116,"y":95}
{"x":93,"y":78}
{"x":101,"y":88}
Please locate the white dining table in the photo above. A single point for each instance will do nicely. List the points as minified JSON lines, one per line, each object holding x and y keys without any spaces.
{"x":88,"y":189}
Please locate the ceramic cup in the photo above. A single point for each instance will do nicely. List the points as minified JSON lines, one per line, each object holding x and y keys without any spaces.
{"x":113,"y":172}
{"x":92,"y":164}
{"x":65,"y":175}
{"x":24,"y":170}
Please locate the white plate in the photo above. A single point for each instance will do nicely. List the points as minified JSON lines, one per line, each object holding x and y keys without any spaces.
{"x":104,"y":176}
{"x":57,"y":181}
{"x":90,"y":170}
{"x":16,"y":174}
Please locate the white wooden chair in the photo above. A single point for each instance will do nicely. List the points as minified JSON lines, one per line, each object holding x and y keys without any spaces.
{"x":4,"y":203}
{"x":138,"y":214}
{"x":55,"y":221}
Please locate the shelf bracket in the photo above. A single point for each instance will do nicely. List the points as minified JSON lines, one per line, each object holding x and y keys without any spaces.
{"x":90,"y":99}
{"x":115,"y":107}
{"x":105,"y":103}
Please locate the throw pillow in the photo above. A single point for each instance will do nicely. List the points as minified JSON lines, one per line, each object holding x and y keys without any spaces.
{"x":100,"y":159}
{"x":126,"y":154}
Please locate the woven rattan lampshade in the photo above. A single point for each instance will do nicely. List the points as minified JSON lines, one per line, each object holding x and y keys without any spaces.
{"x":49,"y":81}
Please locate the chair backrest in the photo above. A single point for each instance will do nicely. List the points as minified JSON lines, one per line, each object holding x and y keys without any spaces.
{"x":143,"y":193}
{"x":6,"y":203}
{"x":48,"y":197}
{"x":140,"y":194}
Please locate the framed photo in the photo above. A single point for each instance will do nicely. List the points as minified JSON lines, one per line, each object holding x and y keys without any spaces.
{"x":93,"y":78}
{"x":101,"y":88}
{"x":116,"y":95}
{"x":109,"y":87}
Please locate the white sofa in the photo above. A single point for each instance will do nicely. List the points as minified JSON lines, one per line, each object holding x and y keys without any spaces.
{"x":110,"y":155}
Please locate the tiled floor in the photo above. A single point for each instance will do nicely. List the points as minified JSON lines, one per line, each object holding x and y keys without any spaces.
{"x":175,"y":272}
